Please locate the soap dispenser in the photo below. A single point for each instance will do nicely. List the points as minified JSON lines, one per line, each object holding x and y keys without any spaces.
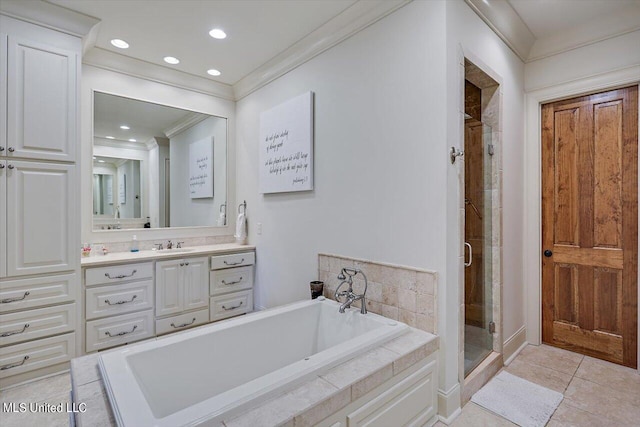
{"x":134,"y":244}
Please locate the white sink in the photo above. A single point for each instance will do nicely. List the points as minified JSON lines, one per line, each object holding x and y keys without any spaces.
{"x":175,"y":251}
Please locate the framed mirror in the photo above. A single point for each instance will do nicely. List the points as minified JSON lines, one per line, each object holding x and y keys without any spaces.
{"x":156,"y":166}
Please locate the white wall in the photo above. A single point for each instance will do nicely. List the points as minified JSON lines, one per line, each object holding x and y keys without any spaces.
{"x":378,"y":125}
{"x":612,"y":54}
{"x":386,"y":112}
{"x":186,"y":211}
{"x":468,"y":36}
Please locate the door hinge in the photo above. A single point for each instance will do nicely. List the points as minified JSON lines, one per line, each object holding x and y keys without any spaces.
{"x":492,"y":327}
{"x":490,"y":149}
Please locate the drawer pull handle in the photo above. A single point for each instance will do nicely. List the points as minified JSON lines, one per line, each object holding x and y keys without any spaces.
{"x":15,"y":365}
{"x":120,"y":276}
{"x":232,"y":283}
{"x":119,"y":334}
{"x":234,"y":263}
{"x":233,"y":308}
{"x":184,"y":324}
{"x":121,"y":301}
{"x":8,"y":300}
{"x":8,"y":334}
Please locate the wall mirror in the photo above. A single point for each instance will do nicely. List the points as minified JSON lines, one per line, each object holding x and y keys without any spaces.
{"x":156,"y":166}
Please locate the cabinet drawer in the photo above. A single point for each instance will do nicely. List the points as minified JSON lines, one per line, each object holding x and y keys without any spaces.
{"x":30,"y":293}
{"x":25,"y":357}
{"x":118,"y":273}
{"x":224,"y":306}
{"x":233,"y":260}
{"x":119,"y":299}
{"x":182,"y":321}
{"x":38,"y":323}
{"x":230,"y":280}
{"x":112,"y":331}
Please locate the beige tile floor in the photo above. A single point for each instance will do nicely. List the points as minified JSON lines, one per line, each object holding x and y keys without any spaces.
{"x":596,"y":393}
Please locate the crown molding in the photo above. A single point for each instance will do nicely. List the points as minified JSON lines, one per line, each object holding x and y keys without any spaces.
{"x":49,"y":15}
{"x":506,"y":23}
{"x":111,"y":61}
{"x":603,"y":28}
{"x":190,"y":120}
{"x":352,"y":20}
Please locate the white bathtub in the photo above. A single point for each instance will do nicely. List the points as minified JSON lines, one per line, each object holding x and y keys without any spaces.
{"x":203,"y":376}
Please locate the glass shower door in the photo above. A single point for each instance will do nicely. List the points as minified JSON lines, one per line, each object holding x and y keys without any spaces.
{"x":479,"y":180}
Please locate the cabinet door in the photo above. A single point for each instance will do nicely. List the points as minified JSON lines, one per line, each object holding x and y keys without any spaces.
{"x":42,"y":98}
{"x":41,"y":217}
{"x":196,"y":283}
{"x":3,"y":218}
{"x":3,"y":95}
{"x":169,"y":294}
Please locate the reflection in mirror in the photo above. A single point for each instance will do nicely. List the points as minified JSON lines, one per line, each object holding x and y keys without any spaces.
{"x":157,"y":166}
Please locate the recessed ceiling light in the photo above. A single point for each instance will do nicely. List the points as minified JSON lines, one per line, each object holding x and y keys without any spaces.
{"x":125,"y":127}
{"x":132,"y":140}
{"x":217,"y":33}
{"x":120,"y":43}
{"x":171,"y":60}
{"x":101,"y":161}
{"x":213,"y":72}
{"x":109,"y":137}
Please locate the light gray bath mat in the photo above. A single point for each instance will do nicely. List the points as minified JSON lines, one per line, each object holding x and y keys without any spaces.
{"x":520,"y":401}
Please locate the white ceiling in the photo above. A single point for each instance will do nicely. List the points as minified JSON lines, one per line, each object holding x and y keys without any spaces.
{"x":548,"y":17}
{"x":267,"y":38}
{"x":257,"y":30}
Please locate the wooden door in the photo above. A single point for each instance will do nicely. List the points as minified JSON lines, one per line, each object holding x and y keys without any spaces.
{"x":40,"y":221}
{"x":590,"y":225}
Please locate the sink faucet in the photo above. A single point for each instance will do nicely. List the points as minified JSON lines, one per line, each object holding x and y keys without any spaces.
{"x":179,"y":245}
{"x":158,"y":246}
{"x":169,"y":244}
{"x":346,"y":275}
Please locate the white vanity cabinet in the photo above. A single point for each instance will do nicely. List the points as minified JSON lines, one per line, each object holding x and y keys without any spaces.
{"x":39,"y":202}
{"x":182,"y":285}
{"x":118,"y":305}
{"x":231,"y":285}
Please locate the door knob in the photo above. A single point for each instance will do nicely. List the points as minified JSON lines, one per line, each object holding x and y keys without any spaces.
{"x":1,"y":149}
{"x":10,"y":166}
{"x":548,"y":253}
{"x":11,"y":149}
{"x":1,"y":166}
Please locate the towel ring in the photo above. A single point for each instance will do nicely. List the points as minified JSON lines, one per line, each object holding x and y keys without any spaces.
{"x":243,"y":206}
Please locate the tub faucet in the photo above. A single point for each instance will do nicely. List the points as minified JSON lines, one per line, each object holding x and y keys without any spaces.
{"x":346,"y":275}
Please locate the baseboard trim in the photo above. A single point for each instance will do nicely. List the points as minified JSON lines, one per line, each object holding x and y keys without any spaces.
{"x":449,"y":404}
{"x":514,"y":345}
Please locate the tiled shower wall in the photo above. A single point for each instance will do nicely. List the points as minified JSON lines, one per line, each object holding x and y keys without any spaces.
{"x":398,"y":292}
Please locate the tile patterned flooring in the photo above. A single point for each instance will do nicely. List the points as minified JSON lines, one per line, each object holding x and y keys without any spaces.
{"x":596,"y":393}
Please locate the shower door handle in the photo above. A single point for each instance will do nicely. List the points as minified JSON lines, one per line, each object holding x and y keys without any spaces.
{"x":468,"y":264}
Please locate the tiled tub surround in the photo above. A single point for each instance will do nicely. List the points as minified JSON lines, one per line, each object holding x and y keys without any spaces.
{"x":398,"y":292}
{"x":323,"y":400}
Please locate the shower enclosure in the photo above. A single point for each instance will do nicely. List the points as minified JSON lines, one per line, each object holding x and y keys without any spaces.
{"x":478,"y":302}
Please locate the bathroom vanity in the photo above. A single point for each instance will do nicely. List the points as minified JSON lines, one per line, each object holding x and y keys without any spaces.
{"x":129,"y":296}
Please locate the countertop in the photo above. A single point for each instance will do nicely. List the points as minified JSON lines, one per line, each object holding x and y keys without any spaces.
{"x":149,"y":255}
